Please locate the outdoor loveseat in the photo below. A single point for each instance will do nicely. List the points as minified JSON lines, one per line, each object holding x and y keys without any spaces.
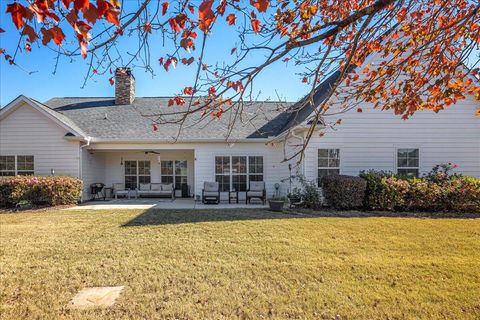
{"x":155,"y":190}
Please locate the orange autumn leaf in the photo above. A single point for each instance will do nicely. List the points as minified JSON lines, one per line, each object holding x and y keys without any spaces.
{"x":188,"y":91}
{"x":30,"y":33}
{"x":81,"y":4}
{"x":256,"y":25}
{"x":261,"y":5}
{"x":205,"y":15}
{"x":18,"y":13}
{"x":164,"y":8}
{"x":231,"y":19}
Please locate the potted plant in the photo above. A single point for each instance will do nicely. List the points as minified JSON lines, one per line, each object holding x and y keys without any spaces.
{"x":295,"y":196}
{"x":276,"y":203}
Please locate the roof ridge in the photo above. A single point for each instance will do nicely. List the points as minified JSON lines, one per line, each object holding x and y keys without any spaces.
{"x":165,"y":97}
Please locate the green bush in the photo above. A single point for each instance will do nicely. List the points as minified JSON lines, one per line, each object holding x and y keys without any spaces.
{"x":381,"y":194}
{"x":452,"y":193}
{"x":461,"y":194}
{"x":311,"y":196}
{"x":344,"y":192}
{"x":53,"y":191}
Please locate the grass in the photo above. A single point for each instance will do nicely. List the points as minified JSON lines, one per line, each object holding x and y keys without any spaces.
{"x":239,"y":264}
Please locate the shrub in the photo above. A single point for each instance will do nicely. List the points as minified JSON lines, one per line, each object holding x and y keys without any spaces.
{"x":381,"y":194}
{"x":311,"y":196}
{"x":344,"y":192}
{"x":437,"y":191}
{"x":441,"y":173}
{"x":52,"y":191}
{"x":461,"y":194}
{"x":421,"y":195}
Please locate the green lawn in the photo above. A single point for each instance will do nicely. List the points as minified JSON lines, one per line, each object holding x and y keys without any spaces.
{"x":239,"y":264}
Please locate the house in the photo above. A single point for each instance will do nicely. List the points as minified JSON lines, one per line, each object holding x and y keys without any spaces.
{"x":111,"y":140}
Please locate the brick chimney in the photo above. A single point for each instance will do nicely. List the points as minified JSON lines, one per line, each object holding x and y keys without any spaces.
{"x":124,"y":86}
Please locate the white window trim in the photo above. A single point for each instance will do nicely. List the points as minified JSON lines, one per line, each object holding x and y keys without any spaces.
{"x":16,"y":162}
{"x":137,"y":175}
{"x":173,"y":175}
{"x":231,"y":174}
{"x":408,"y":147}
{"x":339,"y":161}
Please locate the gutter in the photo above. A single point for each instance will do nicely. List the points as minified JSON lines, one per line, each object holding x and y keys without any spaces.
{"x":145,"y":141}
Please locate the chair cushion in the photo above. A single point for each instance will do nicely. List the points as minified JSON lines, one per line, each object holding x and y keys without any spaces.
{"x":156,"y":186}
{"x":118,"y":186}
{"x":145,"y":186}
{"x":167,"y":187}
{"x":255,"y":193}
{"x":257,"y":185}
{"x":210,"y":186}
{"x":210,"y":193}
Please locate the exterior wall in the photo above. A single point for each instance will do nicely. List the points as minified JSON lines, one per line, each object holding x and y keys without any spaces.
{"x":274,"y":169}
{"x":26,"y":131}
{"x":369,"y":140}
{"x":93,"y":170}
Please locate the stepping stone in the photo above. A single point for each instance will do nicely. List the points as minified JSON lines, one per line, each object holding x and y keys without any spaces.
{"x":95,"y":297}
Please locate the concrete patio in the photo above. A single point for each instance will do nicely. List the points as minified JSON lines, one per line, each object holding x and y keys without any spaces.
{"x":163,"y":203}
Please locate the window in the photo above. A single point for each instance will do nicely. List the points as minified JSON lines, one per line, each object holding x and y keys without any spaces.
{"x":174,"y":172}
{"x":25,"y":165}
{"x":7,"y":165}
{"x":136,"y":172}
{"x":255,"y":168}
{"x":222,"y":172}
{"x":180,"y":173}
{"x":166,"y":169}
{"x":408,"y":162}
{"x":16,"y":165}
{"x":239,"y":173}
{"x":328,"y":163}
{"x":235,"y":172}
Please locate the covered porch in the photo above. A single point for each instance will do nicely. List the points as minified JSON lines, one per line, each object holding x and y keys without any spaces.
{"x":134,"y":169}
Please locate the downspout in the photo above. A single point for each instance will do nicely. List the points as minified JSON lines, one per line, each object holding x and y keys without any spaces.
{"x":80,"y":159}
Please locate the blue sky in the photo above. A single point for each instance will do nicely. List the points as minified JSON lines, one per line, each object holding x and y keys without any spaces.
{"x":68,"y":80}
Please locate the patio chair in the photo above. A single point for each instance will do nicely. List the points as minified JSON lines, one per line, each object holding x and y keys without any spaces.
{"x":256,"y":190}
{"x":211,"y":192}
{"x":119,"y":189}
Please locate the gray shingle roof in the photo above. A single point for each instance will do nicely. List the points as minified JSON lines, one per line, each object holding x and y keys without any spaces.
{"x":301,"y":111}
{"x":100,"y":118}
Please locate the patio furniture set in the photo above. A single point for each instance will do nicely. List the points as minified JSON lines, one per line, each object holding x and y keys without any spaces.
{"x":210,"y":192}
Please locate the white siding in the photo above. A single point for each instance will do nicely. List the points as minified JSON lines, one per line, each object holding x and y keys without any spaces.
{"x":369,"y":140}
{"x":93,"y":171}
{"x":26,"y":131}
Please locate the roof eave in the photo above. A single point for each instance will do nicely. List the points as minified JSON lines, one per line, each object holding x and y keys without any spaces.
{"x":169,"y":141}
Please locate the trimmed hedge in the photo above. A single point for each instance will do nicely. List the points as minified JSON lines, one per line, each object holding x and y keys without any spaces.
{"x":453,"y":194}
{"x":344,"y":192}
{"x":53,"y":191}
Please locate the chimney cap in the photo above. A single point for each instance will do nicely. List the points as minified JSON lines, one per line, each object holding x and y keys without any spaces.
{"x":122,"y":71}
